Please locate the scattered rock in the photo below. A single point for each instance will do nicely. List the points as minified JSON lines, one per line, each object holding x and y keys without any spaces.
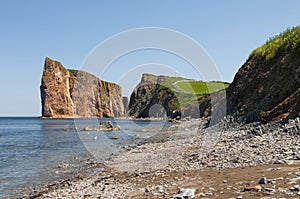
{"x":63,"y":166}
{"x":295,"y":188}
{"x":117,"y":128}
{"x":86,"y":129}
{"x":160,"y":188}
{"x":106,"y":125}
{"x":115,"y":137}
{"x":185,"y":193}
{"x":263,"y":181}
{"x":279,"y":162}
{"x":294,"y":179}
{"x":269,"y":189}
{"x":254,"y":188}
{"x":272,"y":144}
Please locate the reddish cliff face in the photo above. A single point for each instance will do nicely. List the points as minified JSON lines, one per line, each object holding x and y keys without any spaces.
{"x":72,"y":93}
{"x":55,"y":92}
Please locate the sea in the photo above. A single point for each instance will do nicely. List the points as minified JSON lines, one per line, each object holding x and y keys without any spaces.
{"x":35,"y":152}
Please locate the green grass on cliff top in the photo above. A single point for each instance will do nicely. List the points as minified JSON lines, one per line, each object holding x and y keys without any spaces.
{"x":200,"y":87}
{"x":287,"y":41}
{"x":189,"y":91}
{"x":188,"y":86}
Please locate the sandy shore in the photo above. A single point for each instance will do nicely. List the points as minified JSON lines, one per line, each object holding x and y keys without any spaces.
{"x":223,"y":161}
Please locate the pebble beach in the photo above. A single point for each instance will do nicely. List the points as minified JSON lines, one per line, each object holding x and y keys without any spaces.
{"x":188,"y":160}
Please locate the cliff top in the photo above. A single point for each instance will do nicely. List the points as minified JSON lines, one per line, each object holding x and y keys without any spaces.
{"x":264,"y":88}
{"x":276,"y":46}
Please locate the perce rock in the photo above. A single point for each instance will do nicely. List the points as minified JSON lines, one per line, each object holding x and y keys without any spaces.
{"x":73,"y":93}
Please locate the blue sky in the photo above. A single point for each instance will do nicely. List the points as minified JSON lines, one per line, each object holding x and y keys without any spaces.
{"x":68,"y":30}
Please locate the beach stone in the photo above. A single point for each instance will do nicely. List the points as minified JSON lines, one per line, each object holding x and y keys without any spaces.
{"x":185,"y":193}
{"x":279,"y":162}
{"x":160,"y":188}
{"x":209,"y":193}
{"x":254,"y":188}
{"x":295,"y":188}
{"x":294,"y":179}
{"x":269,"y":189}
{"x":263,"y":181}
{"x":63,"y":166}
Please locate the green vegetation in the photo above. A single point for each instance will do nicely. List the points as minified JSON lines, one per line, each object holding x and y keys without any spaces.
{"x":190,"y":91}
{"x":169,"y":81}
{"x":287,"y":41}
{"x":199,"y":87}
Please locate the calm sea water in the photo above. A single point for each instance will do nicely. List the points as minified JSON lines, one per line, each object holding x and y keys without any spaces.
{"x":33,"y":150}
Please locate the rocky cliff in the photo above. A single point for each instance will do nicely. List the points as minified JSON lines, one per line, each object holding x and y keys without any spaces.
{"x":72,"y":93}
{"x":151,"y":99}
{"x":266,"y":87}
{"x":160,"y":96}
{"x":125,"y":104}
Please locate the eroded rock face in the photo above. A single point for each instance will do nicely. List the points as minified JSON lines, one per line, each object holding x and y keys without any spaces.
{"x":126,"y":104}
{"x":149,"y":99}
{"x":266,"y":91}
{"x":55,"y":92}
{"x":72,"y":93}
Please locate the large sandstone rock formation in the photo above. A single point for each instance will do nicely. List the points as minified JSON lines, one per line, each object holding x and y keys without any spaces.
{"x":72,"y":93}
{"x":266,"y":87}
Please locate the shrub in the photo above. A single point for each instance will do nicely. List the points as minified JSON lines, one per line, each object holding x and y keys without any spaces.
{"x":276,"y":46}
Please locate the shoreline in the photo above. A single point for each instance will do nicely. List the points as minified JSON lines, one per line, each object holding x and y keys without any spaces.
{"x":176,"y":158}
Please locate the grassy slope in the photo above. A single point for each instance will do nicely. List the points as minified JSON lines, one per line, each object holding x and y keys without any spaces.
{"x":189,"y":91}
{"x":200,"y":87}
{"x":276,"y":46}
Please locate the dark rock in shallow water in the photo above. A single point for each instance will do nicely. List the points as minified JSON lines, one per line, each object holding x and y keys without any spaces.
{"x":107,"y":125}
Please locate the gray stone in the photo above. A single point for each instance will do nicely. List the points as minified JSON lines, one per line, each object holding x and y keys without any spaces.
{"x":263,"y":181}
{"x":185,"y":193}
{"x":269,"y":189}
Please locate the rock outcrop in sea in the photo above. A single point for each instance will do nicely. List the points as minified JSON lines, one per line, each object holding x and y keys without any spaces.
{"x":73,"y":93}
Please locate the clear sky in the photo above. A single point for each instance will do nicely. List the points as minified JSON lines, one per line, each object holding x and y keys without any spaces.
{"x":68,"y":30}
